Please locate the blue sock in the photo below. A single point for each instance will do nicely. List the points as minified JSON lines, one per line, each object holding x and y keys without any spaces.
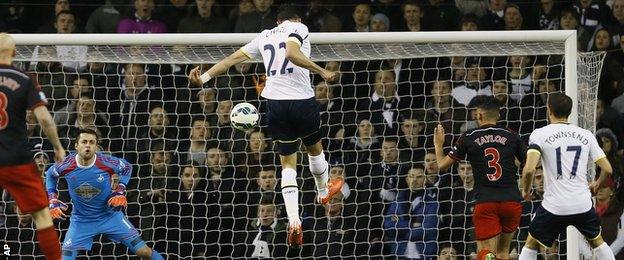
{"x":156,"y":255}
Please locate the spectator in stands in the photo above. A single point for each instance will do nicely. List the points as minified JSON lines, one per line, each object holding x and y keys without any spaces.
{"x":512,"y":18}
{"x":130,"y":104}
{"x":243,"y":7}
{"x":81,"y":85}
{"x":159,"y":131}
{"x":612,"y":75}
{"x":412,"y":141}
{"x":50,"y":27}
{"x":609,"y":144}
{"x":519,"y":77}
{"x":205,"y":105}
{"x":230,"y":185}
{"x":265,"y":188}
{"x":192,"y":225}
{"x":171,"y":12}
{"x":337,"y":233}
{"x":441,"y":107}
{"x":389,"y":168}
{"x":332,"y":109}
{"x":412,"y":17}
{"x":262,"y":18}
{"x":618,"y":18}
{"x":510,"y":109}
{"x":570,"y":20}
{"x":441,"y":16}
{"x":41,"y":159}
{"x":266,"y":233}
{"x":194,"y":149}
{"x":447,"y":252}
{"x":476,"y":7}
{"x":592,"y":13}
{"x":494,"y":18}
{"x":331,"y":23}
{"x":141,"y":20}
{"x":602,"y":41}
{"x":85,"y":115}
{"x":533,"y":106}
{"x":411,"y":221}
{"x":611,"y":213}
{"x":456,"y":213}
{"x":106,"y":17}
{"x":382,"y":108}
{"x":379,"y":23}
{"x":147,"y":193}
{"x":204,"y":19}
{"x":258,"y":153}
{"x":474,"y":84}
{"x":361,"y":18}
{"x":469,"y":23}
{"x":361,"y":147}
{"x":547,"y":15}
{"x":607,"y":117}
{"x":74,"y":56}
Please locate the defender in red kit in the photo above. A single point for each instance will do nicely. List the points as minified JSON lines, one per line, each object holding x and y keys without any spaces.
{"x":492,"y":151}
{"x":18,"y":173}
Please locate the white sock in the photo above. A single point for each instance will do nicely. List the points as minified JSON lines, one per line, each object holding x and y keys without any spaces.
{"x":604,"y":252}
{"x":320,"y":170}
{"x":528,"y":254}
{"x":290,"y":192}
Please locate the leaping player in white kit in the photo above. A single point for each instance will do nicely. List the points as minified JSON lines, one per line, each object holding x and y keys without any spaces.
{"x":292,"y":112}
{"x":565,"y":151}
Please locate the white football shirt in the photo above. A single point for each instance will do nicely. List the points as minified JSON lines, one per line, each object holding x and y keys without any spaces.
{"x":285,"y":80}
{"x":565,"y":151}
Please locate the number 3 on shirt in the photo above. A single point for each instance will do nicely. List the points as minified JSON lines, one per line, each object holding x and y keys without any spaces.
{"x":4,"y":116}
{"x":493,"y":163}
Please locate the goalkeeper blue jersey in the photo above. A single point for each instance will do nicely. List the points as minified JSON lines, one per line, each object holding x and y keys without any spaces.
{"x":89,"y":186}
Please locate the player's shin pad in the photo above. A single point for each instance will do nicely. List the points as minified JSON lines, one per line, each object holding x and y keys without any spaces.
{"x":117,"y":199}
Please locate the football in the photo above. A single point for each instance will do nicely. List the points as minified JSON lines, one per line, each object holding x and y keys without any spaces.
{"x":244,"y":116}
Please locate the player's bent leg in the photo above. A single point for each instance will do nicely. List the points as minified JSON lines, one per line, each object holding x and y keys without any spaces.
{"x":503,"y":245}
{"x":486,"y":247}
{"x":600,"y":248}
{"x":529,"y":251}
{"x":319,"y":168}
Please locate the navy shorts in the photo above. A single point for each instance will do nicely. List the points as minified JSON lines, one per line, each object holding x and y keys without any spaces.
{"x":546,"y":227}
{"x":290,"y":120}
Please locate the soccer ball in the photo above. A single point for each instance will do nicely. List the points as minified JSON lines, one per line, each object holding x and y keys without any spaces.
{"x":244,"y":116}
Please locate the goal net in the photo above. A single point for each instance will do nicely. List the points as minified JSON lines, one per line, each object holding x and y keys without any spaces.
{"x":201,"y":189}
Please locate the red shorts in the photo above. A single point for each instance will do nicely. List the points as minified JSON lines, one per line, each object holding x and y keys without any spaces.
{"x":25,"y":185}
{"x":492,"y":218}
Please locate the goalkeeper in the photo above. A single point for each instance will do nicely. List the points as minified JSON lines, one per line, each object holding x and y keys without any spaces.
{"x":97,"y":199}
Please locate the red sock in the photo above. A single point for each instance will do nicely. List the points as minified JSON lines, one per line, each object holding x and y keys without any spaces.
{"x":49,"y":243}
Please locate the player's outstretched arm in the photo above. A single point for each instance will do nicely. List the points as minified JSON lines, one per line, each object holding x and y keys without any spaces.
{"x":57,"y":207}
{"x":532,"y":159}
{"x":444,"y":161}
{"x":605,"y":172}
{"x":49,"y":128}
{"x":294,"y":55}
{"x":198,"y":79}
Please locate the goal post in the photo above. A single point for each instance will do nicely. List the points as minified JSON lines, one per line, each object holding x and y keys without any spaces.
{"x":581,"y":71}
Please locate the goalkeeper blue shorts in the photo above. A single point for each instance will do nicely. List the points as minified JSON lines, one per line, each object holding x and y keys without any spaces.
{"x":117,"y":228}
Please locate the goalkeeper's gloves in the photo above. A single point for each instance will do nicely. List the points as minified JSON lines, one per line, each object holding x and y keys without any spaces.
{"x":117,"y":200}
{"x":56,"y":207}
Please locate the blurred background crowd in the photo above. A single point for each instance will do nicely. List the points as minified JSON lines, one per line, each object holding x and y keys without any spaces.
{"x":203,"y":189}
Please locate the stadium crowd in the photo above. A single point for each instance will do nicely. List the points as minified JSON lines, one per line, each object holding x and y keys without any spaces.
{"x":202,"y":189}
